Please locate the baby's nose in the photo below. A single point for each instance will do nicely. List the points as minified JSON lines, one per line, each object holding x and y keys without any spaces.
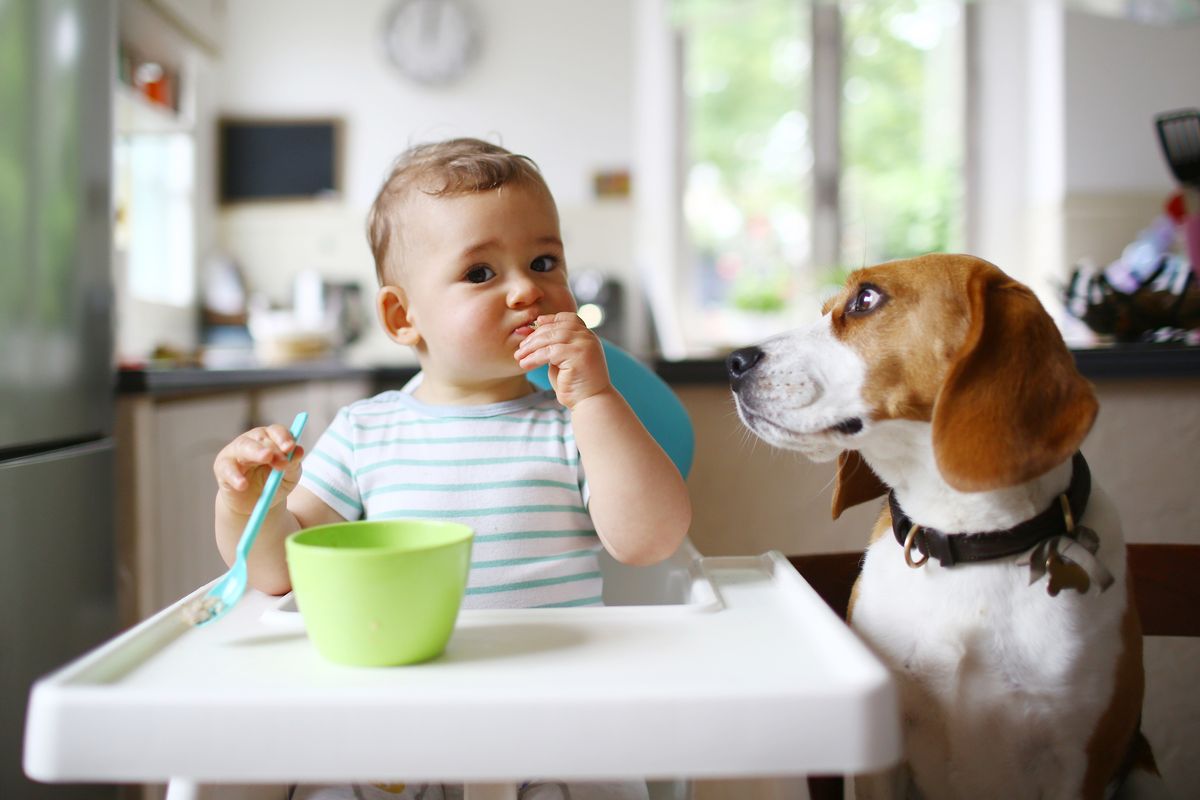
{"x":523,"y":290}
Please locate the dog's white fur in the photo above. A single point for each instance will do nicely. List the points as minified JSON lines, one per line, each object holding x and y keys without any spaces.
{"x":1002,"y":686}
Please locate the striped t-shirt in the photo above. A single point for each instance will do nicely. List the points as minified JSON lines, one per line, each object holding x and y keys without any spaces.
{"x":509,"y":470}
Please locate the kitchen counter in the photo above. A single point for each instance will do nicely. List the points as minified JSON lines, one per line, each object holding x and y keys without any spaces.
{"x":164,"y":380}
{"x":1125,"y":361}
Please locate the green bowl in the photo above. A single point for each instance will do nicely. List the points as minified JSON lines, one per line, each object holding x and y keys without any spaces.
{"x":380,"y":593}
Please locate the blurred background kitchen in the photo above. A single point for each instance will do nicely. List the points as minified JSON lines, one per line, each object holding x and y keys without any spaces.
{"x":718,"y":164}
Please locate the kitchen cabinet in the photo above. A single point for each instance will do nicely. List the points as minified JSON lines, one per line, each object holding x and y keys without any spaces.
{"x":166,"y":488}
{"x":320,"y":399}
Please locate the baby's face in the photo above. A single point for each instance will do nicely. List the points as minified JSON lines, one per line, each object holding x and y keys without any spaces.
{"x":478,"y":268}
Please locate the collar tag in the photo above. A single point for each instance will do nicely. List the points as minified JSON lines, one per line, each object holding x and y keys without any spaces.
{"x":1070,"y":561}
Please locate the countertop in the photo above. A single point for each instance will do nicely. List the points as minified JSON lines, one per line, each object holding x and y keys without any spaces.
{"x":1125,"y":361}
{"x":169,"y":380}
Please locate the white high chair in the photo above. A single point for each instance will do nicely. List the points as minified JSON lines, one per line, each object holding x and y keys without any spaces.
{"x":662,"y":584}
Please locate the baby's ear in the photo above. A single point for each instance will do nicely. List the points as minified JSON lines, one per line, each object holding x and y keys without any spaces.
{"x":392,"y":306}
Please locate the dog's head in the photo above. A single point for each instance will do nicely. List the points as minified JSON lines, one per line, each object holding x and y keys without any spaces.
{"x":944,"y":339}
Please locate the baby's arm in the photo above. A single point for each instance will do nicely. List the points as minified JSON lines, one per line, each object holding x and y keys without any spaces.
{"x":639,"y":502}
{"x":241,"y":469}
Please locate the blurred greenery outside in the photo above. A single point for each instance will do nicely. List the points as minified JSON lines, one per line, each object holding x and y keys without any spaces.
{"x":748,"y":199}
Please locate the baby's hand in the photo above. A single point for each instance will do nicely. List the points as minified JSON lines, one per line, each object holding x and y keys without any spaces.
{"x":243,"y":465}
{"x":575,"y":355}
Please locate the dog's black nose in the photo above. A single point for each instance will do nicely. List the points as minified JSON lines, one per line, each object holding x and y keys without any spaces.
{"x":742,"y":361}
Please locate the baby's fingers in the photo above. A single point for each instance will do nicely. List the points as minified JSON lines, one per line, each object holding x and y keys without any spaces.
{"x":256,"y":450}
{"x":269,"y":446}
{"x":565,"y":318}
{"x":282,"y":437}
{"x":229,"y":476}
{"x":291,"y":473}
{"x":259,"y":448}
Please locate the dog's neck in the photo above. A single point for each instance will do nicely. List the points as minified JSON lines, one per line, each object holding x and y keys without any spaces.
{"x":901,"y":453}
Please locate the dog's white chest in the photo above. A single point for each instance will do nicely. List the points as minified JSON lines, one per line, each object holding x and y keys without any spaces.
{"x":1000,"y":683}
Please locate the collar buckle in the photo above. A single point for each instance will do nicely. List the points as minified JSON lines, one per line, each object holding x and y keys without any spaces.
{"x":909,"y":541}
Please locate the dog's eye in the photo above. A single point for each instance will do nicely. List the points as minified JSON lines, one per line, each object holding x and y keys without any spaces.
{"x":866,"y":300}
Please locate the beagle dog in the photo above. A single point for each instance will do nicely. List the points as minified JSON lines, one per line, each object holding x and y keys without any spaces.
{"x":994,"y":583}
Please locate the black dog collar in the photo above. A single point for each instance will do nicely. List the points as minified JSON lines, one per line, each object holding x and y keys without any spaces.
{"x":956,"y":548}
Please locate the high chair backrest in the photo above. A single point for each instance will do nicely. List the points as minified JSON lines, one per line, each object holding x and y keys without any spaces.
{"x":651,"y":399}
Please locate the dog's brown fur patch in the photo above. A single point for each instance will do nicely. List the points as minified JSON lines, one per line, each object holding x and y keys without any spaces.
{"x":1026,"y":407}
{"x":856,"y":482}
{"x":906,"y":369}
{"x":1116,"y":735}
{"x":1000,"y":417}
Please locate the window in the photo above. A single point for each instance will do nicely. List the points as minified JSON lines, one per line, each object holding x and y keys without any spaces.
{"x":903,"y":129}
{"x":154,"y":188}
{"x":817,"y":137}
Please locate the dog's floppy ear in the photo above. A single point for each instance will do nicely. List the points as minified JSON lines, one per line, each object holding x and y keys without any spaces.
{"x":856,"y":482}
{"x":1012,"y":405}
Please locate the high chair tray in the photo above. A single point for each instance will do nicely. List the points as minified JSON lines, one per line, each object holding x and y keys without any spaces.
{"x":756,"y":676}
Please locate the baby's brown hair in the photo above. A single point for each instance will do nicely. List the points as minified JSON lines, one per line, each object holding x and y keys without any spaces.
{"x":440,"y":169}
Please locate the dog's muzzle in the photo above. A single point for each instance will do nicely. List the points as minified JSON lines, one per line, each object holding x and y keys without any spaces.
{"x":741,"y":362}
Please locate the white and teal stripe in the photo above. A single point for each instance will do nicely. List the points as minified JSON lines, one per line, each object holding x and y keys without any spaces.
{"x":509,"y":470}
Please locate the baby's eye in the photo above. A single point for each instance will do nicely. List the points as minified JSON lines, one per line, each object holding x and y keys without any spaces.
{"x":544,"y":264}
{"x":480,"y":274}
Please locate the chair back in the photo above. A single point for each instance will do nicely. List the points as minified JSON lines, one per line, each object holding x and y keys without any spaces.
{"x":1163,"y":575}
{"x":1165,"y":591}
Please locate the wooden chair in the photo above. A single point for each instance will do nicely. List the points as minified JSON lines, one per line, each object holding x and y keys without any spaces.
{"x":1166,"y":588}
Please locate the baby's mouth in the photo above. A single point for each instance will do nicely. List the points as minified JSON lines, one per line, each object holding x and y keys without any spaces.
{"x":525,"y":329}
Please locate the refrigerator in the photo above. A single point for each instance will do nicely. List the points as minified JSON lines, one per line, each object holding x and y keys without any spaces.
{"x":57,"y":554}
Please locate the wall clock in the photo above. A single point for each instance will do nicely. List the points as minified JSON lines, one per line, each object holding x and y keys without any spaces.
{"x":433,"y":42}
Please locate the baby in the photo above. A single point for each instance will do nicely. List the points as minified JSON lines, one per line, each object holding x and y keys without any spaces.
{"x":473,"y":278}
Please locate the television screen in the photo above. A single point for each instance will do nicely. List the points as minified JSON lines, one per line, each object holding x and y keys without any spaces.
{"x":278,"y":159}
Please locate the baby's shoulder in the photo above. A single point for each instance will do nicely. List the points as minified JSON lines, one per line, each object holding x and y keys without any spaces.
{"x":375,"y":410}
{"x":545,"y":403}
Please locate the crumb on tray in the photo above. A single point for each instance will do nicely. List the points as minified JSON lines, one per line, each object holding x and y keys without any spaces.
{"x":201,"y":610}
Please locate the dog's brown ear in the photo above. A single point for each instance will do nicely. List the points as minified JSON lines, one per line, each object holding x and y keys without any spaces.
{"x":856,"y":482}
{"x":1013,"y":405}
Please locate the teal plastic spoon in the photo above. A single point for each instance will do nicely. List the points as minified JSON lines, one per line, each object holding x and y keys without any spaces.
{"x":230,"y":588}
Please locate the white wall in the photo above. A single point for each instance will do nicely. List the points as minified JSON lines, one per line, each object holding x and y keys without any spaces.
{"x":1018,"y":133}
{"x":553,"y":82}
{"x":1070,"y":166}
{"x":1119,"y":75}
{"x":1068,"y":162}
